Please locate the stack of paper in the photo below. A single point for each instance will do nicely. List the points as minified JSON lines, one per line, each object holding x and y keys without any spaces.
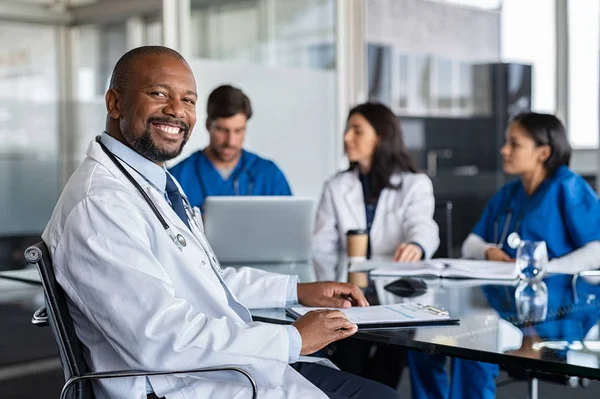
{"x":447,"y":268}
{"x":401,"y":314}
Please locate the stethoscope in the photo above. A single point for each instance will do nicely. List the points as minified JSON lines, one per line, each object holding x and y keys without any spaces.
{"x":178,"y":239}
{"x":513,"y":239}
{"x":236,"y":182}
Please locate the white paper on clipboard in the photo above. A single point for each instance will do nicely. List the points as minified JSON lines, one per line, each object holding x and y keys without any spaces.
{"x":399,"y":314}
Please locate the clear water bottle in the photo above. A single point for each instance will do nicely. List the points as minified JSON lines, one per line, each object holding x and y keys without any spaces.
{"x":532,"y":259}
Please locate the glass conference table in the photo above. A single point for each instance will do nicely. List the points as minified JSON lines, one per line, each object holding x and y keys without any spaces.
{"x":29,"y":275}
{"x":548,"y":329}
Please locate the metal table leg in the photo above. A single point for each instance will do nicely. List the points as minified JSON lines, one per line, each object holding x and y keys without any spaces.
{"x":533,"y":388}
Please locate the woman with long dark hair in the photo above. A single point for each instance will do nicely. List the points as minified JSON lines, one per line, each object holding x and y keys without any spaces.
{"x":380,"y":192}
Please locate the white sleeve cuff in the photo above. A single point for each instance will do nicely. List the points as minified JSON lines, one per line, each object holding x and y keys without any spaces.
{"x":295,"y":344}
{"x":292,"y":292}
{"x":475,"y":247}
{"x":582,"y":259}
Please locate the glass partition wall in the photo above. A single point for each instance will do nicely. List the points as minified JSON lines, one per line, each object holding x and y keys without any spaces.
{"x":58,"y":55}
{"x":282,"y":54}
{"x":29,"y":135}
{"x":302,"y":63}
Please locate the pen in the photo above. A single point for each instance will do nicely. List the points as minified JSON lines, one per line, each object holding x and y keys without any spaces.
{"x":434,"y":310}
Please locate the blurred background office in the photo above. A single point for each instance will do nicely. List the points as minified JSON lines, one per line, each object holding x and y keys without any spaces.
{"x":452,"y":70}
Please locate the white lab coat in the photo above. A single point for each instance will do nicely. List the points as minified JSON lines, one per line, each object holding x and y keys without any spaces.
{"x":402,"y":215}
{"x":138,"y":302}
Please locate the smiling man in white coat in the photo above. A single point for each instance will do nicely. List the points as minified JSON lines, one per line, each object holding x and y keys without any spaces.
{"x":144,"y":296}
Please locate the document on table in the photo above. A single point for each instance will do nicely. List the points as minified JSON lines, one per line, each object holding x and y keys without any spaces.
{"x":385,"y":316}
{"x":445,"y":268}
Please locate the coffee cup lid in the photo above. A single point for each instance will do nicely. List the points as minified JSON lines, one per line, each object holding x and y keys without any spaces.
{"x":356,"y":232}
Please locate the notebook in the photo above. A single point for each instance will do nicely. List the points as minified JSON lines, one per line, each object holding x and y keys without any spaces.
{"x":385,"y":316}
{"x":445,"y":268}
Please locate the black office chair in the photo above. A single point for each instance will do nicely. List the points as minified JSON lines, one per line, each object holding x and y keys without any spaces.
{"x":56,"y":314}
{"x":443,"y":217}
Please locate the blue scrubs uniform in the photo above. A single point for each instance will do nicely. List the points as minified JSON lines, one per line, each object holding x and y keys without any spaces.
{"x":252,"y":175}
{"x":565,"y":213}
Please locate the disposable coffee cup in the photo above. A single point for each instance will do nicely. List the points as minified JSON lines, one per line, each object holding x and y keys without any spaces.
{"x":357,"y":243}
{"x":361,"y":279}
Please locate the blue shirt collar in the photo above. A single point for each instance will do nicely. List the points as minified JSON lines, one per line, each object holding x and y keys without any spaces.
{"x":154,"y":174}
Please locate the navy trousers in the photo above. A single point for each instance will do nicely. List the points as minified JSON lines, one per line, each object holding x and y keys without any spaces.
{"x":342,"y":385}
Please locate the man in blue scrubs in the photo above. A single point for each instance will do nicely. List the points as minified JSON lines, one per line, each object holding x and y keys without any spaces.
{"x":224,"y":167}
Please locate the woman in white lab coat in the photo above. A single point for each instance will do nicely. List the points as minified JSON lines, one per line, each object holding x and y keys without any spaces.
{"x":381,"y":192}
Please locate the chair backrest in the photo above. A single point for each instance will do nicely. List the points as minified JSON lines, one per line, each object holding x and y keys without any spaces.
{"x":443,"y":217}
{"x":63,"y":329}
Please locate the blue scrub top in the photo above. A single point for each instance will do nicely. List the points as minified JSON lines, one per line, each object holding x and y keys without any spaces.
{"x":564,"y":212}
{"x":252,"y":175}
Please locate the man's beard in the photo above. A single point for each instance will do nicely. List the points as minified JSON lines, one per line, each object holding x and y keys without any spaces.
{"x":219,"y":154}
{"x":144,"y":145}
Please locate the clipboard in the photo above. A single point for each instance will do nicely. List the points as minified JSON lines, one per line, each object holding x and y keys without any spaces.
{"x":409,"y":314}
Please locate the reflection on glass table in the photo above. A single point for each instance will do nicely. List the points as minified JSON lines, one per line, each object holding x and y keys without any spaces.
{"x":548,"y":325}
{"x":531,"y":301}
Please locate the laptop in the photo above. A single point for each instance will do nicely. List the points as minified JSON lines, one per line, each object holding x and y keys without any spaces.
{"x":259,"y":229}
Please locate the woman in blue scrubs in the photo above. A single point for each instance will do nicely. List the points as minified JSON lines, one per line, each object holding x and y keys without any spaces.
{"x":549,"y":202}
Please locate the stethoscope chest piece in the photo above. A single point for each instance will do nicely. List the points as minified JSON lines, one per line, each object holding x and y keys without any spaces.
{"x":181,"y":240}
{"x":514,"y":240}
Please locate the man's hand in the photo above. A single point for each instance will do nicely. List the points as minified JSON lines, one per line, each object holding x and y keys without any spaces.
{"x":408,"y":253}
{"x":498,"y":255}
{"x":330,"y":294}
{"x":319,"y":328}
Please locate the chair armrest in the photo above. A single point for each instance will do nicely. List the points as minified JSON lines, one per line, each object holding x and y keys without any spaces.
{"x":590,"y":277}
{"x":40,"y":317}
{"x":139,"y":373}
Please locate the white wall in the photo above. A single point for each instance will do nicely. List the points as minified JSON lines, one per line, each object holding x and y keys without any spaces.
{"x":294,"y":121}
{"x":535,"y":44}
{"x":584,"y":34}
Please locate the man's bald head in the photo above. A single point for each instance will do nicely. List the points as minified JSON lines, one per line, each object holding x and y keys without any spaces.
{"x":124,"y":68}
